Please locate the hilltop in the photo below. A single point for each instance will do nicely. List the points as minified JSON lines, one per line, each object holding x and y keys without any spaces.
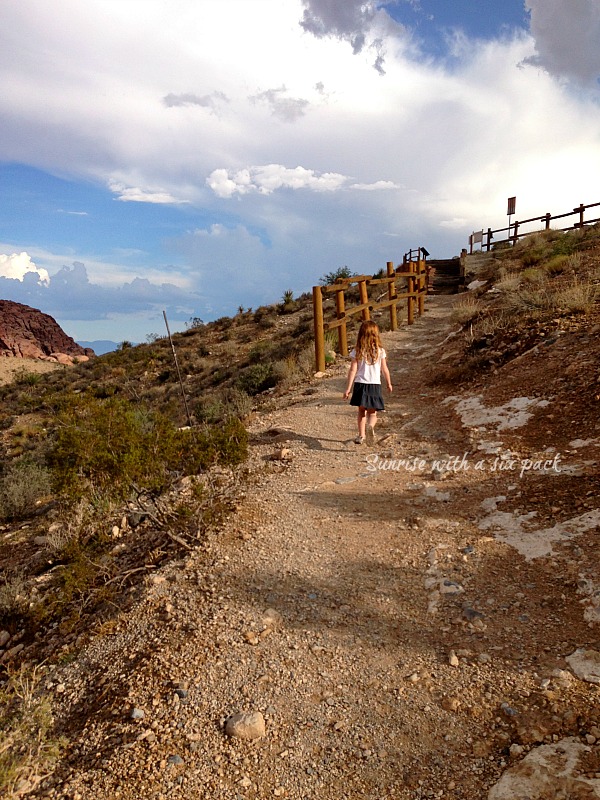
{"x":417,"y":619}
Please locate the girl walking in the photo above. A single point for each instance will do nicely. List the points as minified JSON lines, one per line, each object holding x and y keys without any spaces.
{"x":364,"y":380}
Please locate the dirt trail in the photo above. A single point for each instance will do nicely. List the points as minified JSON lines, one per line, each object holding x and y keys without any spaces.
{"x":360,"y":601}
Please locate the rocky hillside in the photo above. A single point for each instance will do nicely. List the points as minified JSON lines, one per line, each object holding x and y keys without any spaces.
{"x":195,"y":615}
{"x":26,"y":332}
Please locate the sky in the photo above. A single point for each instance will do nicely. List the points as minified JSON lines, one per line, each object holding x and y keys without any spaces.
{"x":195,"y":156}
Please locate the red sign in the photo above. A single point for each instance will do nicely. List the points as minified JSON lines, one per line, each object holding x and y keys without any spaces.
{"x":512,"y":204}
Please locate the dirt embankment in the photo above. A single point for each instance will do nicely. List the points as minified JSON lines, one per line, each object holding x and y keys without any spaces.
{"x":410,"y":620}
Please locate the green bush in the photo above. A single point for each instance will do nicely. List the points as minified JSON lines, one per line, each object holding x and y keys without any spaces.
{"x":332,"y":277}
{"x":112,"y":445}
{"x":257,"y":378}
{"x":231,"y":403}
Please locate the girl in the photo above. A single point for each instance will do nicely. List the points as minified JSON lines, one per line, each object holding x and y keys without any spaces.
{"x":368,"y":362}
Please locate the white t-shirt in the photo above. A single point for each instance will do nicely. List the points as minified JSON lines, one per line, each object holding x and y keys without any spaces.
{"x":369,"y":373}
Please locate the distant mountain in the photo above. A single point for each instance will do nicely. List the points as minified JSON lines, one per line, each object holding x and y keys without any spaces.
{"x":100,"y":346}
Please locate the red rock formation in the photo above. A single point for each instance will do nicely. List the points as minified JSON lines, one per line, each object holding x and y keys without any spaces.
{"x":26,"y":332}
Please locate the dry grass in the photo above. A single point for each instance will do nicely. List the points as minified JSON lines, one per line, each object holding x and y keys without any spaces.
{"x":578,"y":296}
{"x":466,"y":309}
{"x":27,"y":746}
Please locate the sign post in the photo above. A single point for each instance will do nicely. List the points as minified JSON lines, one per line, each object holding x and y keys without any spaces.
{"x":512,"y":205}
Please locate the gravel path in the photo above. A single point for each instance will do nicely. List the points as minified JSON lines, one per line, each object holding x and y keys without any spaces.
{"x":392,"y":646}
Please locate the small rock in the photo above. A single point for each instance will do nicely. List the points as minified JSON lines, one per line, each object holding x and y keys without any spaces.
{"x":283,"y":454}
{"x":453,"y":659}
{"x":450,"y":703}
{"x":176,"y":761}
{"x":272,"y":619}
{"x":472,"y":614}
{"x":4,"y":638}
{"x":138,"y":713}
{"x":13,"y":652}
{"x":585,"y":664}
{"x":450,"y":587}
{"x":247,"y":726}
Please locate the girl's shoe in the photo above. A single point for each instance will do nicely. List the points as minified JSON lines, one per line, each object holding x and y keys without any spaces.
{"x":370,"y":434}
{"x":359,"y":440}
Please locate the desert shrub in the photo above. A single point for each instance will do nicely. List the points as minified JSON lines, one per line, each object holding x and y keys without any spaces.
{"x":305,"y":325}
{"x":267,"y":322}
{"x":578,"y":296}
{"x":465,"y":309}
{"x":13,"y":596}
{"x":257,"y":378}
{"x":287,"y":371}
{"x":332,"y":277}
{"x":509,"y":280}
{"x":22,"y":486}
{"x":24,"y":378}
{"x":557,"y":264}
{"x":112,"y":445}
{"x":230,"y":403}
{"x":306,"y":360}
{"x":222,"y":323}
{"x":532,"y":275}
{"x":28,"y":748}
{"x":259,"y":352}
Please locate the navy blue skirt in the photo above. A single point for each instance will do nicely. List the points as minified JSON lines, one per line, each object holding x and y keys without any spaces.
{"x":367,"y":395}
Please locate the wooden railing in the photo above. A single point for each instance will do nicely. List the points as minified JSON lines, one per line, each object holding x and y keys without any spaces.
{"x":413,"y":271}
{"x":514,"y":230}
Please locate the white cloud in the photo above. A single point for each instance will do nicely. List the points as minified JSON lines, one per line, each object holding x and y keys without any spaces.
{"x":269,"y":178}
{"x":133,"y":194}
{"x":567,"y":38}
{"x":377,"y":186}
{"x":19,"y":265}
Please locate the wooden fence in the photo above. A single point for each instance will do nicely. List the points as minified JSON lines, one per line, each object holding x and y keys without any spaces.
{"x":514,"y":230}
{"x":413,"y":271}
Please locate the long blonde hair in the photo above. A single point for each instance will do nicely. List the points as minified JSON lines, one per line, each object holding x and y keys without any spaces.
{"x":368,"y":343}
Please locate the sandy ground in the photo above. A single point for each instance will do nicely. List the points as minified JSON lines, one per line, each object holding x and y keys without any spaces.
{"x":10,"y":368}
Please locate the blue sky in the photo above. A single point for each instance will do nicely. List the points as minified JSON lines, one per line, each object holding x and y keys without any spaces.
{"x":208,"y":154}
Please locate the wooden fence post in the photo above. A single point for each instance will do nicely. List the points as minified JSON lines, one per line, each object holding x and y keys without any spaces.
{"x":364,"y":299}
{"x":548,"y":217}
{"x":422,"y":269}
{"x":410,"y":283}
{"x":392,"y":294}
{"x":340,"y":311}
{"x":515,"y":236}
{"x":319,"y":333}
{"x":580,"y":209}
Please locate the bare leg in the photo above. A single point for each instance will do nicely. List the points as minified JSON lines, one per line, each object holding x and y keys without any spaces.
{"x":361,"y":418}
{"x":370,"y":426}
